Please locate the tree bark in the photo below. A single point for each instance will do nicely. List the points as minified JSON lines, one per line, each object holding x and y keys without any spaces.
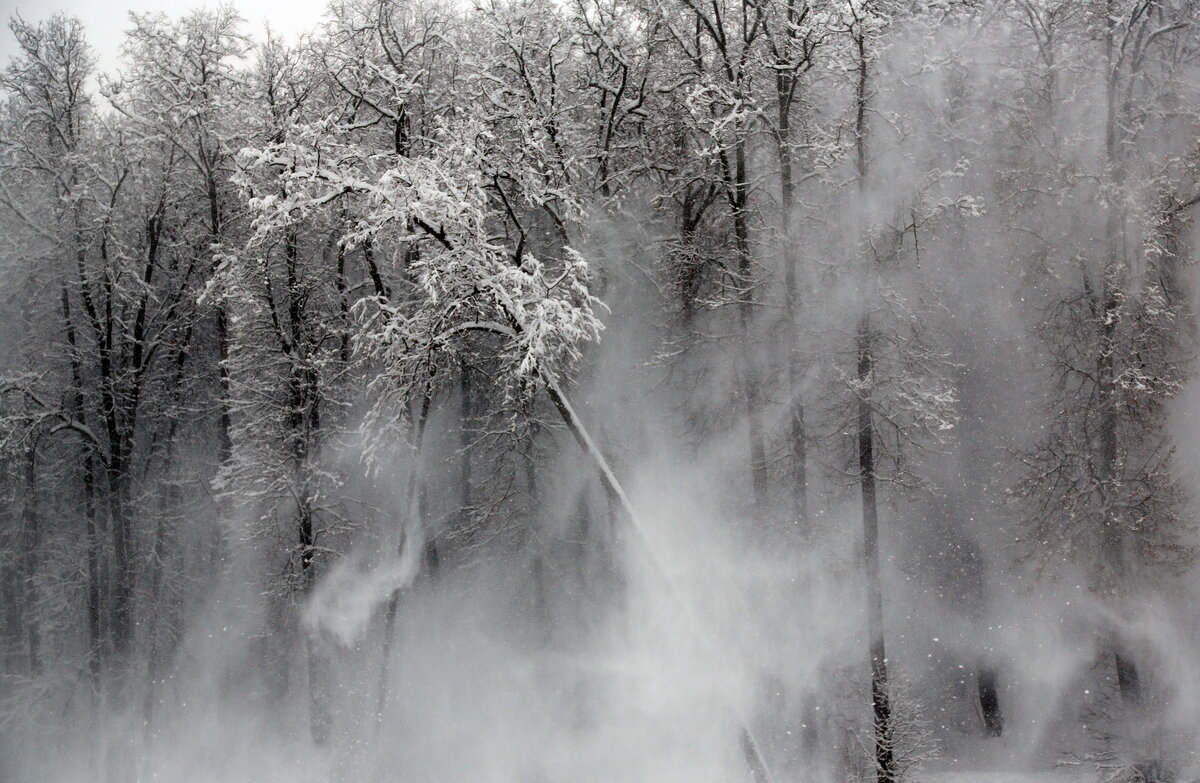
{"x":880,"y":703}
{"x":885,"y":762}
{"x":95,"y":658}
{"x":303,"y":431}
{"x":785,"y":88}
{"x":741,"y":228}
{"x":415,"y":511}
{"x":989,"y":700}
{"x":31,"y":545}
{"x":466,"y":414}
{"x":1112,"y":539}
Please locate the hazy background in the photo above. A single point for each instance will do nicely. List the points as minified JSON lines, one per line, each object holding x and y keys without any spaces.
{"x":107,"y":20}
{"x":552,"y":643}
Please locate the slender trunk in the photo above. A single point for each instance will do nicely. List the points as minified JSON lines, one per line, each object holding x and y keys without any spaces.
{"x":881,"y":704}
{"x":466,"y":414}
{"x":13,"y":597}
{"x":541,"y":590}
{"x":123,"y":422}
{"x":741,"y":230}
{"x":123,"y":570}
{"x":885,"y":762}
{"x":95,"y":660}
{"x":415,"y":513}
{"x":319,"y":713}
{"x":121,"y":529}
{"x":1112,"y":537}
{"x":785,"y":90}
{"x":373,"y":269}
{"x":117,"y":418}
{"x":31,"y":535}
{"x":225,"y":422}
{"x":975,"y":466}
{"x":96,"y":646}
{"x":343,"y":289}
{"x":304,"y":427}
{"x":989,"y":700}
{"x":169,"y":500}
{"x":689,"y":275}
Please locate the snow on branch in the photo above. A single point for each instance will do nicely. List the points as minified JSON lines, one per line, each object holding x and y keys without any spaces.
{"x":438,"y":219}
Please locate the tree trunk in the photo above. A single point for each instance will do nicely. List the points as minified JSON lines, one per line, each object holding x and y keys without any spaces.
{"x":885,"y":762}
{"x":785,"y":91}
{"x":750,"y":380}
{"x":13,"y":597}
{"x":170,"y":498}
{"x":162,"y":607}
{"x":221,"y":323}
{"x":319,"y":714}
{"x":989,"y":700}
{"x":154,"y":656}
{"x":466,"y":414}
{"x":96,"y":644}
{"x":117,"y":418}
{"x":31,"y":535}
{"x":1112,"y":539}
{"x":415,"y":511}
{"x":123,"y":571}
{"x":881,"y":706}
{"x":738,"y":188}
{"x":94,"y":607}
{"x":304,"y":427}
{"x":343,"y":289}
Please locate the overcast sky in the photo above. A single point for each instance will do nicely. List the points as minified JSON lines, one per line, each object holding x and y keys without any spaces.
{"x":106,"y":20}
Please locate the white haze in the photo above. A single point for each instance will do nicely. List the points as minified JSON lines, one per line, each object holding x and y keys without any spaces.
{"x":646,"y":676}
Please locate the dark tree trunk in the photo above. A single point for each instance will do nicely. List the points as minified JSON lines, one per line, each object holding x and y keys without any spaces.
{"x":343,"y":289}
{"x":225,"y":420}
{"x":989,"y":700}
{"x":164,"y":614}
{"x":415,"y":518}
{"x":31,"y":535}
{"x":785,"y":87}
{"x":215,"y":233}
{"x":123,"y":570}
{"x":885,"y":762}
{"x":303,"y":433}
{"x":542,"y":611}
{"x":13,"y":597}
{"x":740,"y":187}
{"x":881,"y":705}
{"x":171,"y":496}
{"x":95,"y":567}
{"x":1112,"y":537}
{"x":465,"y":423}
{"x":117,"y":415}
{"x":95,"y":608}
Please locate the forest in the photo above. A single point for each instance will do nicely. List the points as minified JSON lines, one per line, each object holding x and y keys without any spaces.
{"x":628,"y":391}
